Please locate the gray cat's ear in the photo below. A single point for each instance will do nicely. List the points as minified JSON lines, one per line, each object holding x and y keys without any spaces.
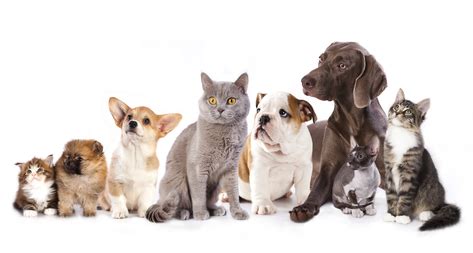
{"x":118,"y":109}
{"x":207,"y":83}
{"x":49,"y":160}
{"x":400,"y":96}
{"x":242,"y":82}
{"x":423,"y":106}
{"x":167,"y":122}
{"x":259,"y":96}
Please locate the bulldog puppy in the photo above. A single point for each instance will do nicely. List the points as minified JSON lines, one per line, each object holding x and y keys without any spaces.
{"x":278,"y":153}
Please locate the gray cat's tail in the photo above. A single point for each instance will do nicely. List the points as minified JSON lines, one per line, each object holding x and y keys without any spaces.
{"x":445,"y":215}
{"x":165,"y":209}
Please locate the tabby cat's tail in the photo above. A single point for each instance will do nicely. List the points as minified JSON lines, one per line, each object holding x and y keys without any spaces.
{"x":165,"y":209}
{"x":445,"y":215}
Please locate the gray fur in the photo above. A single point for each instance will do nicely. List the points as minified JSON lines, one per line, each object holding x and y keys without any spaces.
{"x":355,"y":184}
{"x":204,"y":157}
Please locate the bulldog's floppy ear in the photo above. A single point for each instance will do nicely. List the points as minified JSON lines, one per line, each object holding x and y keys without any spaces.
{"x":370,"y":83}
{"x":118,"y":109}
{"x":259,"y":96}
{"x":306,"y":111}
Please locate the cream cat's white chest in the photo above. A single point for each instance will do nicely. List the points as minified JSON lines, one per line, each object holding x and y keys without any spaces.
{"x":39,"y":192}
{"x":400,"y":140}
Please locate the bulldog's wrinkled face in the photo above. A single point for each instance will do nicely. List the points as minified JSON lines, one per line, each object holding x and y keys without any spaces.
{"x":279,"y":117}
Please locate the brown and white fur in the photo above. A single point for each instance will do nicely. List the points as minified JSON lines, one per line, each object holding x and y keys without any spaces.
{"x":278,"y":153}
{"x":131,"y":183}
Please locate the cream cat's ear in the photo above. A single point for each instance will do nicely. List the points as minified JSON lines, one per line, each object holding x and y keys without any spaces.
{"x":207,"y":83}
{"x":49,"y":160}
{"x":167,"y":122}
{"x":118,"y":109}
{"x":242,"y":82}
{"x":423,"y":106}
{"x":400,"y":96}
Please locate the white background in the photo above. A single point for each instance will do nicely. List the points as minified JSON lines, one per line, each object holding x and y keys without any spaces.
{"x":60,"y":61}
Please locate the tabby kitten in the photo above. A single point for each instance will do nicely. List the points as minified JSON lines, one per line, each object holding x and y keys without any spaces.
{"x":37,"y":188}
{"x":204,"y":157}
{"x":413,"y":186}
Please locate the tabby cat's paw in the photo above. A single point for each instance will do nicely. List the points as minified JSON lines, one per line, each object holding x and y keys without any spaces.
{"x":389,"y":218}
{"x":202,"y":215}
{"x":357,"y":213}
{"x":403,"y":219}
{"x":370,"y":210}
{"x":425,"y":216}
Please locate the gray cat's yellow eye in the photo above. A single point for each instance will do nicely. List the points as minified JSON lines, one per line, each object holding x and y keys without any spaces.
{"x":212,"y":100}
{"x":231,"y":101}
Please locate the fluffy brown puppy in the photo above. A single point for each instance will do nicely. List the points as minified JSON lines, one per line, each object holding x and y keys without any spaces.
{"x":81,"y":173}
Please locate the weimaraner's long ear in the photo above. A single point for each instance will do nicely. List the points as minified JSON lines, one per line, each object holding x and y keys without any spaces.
{"x":370,"y":83}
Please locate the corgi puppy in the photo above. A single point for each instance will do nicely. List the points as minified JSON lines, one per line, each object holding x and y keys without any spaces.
{"x":131,"y":182}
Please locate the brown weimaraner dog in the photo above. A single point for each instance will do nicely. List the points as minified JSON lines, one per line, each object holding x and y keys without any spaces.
{"x":351,"y":77}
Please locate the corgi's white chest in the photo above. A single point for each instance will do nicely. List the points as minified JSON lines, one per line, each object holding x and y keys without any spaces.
{"x":401,"y":140}
{"x":39,"y":192}
{"x":133,"y":167}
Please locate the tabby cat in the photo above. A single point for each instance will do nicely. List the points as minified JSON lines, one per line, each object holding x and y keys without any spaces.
{"x":413,"y":186}
{"x":37,"y":191}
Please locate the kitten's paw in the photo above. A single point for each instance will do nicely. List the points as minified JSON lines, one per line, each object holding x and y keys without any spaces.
{"x":50,"y":211}
{"x":202,"y":215}
{"x":357,"y":213}
{"x":370,"y":210}
{"x":263,"y":207}
{"x":425,"y":216}
{"x":184,"y":214}
{"x":403,"y":219}
{"x":30,"y":213}
{"x":239,"y":214}
{"x":119,"y":212}
{"x":389,"y":218}
{"x":218,"y":211}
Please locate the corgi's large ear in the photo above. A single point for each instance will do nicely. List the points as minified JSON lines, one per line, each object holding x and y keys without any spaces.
{"x":167,"y":122}
{"x":118,"y":109}
{"x":49,"y":160}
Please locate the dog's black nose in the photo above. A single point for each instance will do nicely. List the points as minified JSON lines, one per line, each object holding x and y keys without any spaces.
{"x":308,"y":82}
{"x":264,"y":120}
{"x":132,"y":124}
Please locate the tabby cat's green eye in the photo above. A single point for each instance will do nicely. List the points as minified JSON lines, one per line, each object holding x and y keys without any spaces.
{"x":408,"y":112}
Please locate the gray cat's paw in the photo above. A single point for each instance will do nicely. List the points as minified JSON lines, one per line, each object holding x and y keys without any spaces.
{"x":239,"y":214}
{"x":357,"y":213}
{"x":184,"y":214}
{"x":218,"y":211}
{"x":202,"y":215}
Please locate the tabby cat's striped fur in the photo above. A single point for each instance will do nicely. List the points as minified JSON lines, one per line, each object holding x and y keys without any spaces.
{"x":413,"y":187}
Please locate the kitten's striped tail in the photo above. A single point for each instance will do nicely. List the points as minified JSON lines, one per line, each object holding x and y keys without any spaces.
{"x":445,"y":215}
{"x":164,"y":209}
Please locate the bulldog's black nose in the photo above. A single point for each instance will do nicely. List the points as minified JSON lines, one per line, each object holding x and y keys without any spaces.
{"x":264,"y":120}
{"x":308,"y":82}
{"x":132,"y":124}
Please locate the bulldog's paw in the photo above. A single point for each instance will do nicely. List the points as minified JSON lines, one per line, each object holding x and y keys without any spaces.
{"x":263,"y":207}
{"x":303,"y":212}
{"x":403,"y":219}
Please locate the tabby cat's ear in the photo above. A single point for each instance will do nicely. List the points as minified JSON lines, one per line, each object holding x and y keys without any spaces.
{"x":207,"y":83}
{"x":242,"y":82}
{"x":423,"y":106}
{"x":400,"y":96}
{"x":49,"y":160}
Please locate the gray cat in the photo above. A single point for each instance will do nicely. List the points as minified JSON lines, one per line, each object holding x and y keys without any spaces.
{"x":355,"y":184}
{"x":204,"y":157}
{"x":413,"y":188}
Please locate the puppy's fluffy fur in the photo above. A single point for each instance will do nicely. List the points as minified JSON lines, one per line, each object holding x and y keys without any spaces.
{"x":81,"y":174}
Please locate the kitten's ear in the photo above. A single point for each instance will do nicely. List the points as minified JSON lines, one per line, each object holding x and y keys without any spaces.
{"x":207,"y":83}
{"x":242,"y":82}
{"x":167,"y":122}
{"x":49,"y":160}
{"x":259,"y":96}
{"x":97,"y":148}
{"x":423,"y":106}
{"x":353,"y":143}
{"x":400,"y":96}
{"x":118,"y":109}
{"x":373,"y":146}
{"x":19,"y":164}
